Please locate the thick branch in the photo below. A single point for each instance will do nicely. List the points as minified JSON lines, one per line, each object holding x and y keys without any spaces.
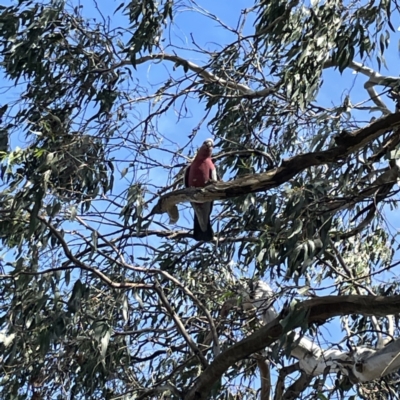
{"x":297,"y":387}
{"x":265,"y":377}
{"x":380,"y":363}
{"x":388,"y":145}
{"x":283,"y":373}
{"x":317,"y":310}
{"x":347,"y":143}
{"x":375,"y":78}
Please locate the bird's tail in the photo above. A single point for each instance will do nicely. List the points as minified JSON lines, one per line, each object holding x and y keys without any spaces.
{"x":200,"y":235}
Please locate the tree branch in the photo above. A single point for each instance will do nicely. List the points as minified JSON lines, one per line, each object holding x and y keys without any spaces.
{"x":265,"y":377}
{"x":83,"y":266}
{"x":388,"y":145}
{"x":347,"y":143}
{"x":201,"y":71}
{"x":297,"y":387}
{"x":181,"y":327}
{"x":317,"y":309}
{"x":375,"y":78}
{"x":283,"y":373}
{"x":202,"y":307}
{"x":369,"y":87}
{"x":160,"y":390}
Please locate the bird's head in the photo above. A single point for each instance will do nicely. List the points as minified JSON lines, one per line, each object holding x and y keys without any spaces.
{"x":206,"y":149}
{"x":208,"y":143}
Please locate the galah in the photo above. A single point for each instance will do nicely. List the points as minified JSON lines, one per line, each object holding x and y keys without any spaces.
{"x":201,"y":171}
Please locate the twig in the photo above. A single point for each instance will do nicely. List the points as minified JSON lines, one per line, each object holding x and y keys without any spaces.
{"x":201,"y":71}
{"x":81,"y":265}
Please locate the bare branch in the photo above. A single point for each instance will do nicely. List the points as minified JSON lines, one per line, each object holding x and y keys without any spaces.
{"x":297,"y":387}
{"x":201,"y":71}
{"x":375,"y":78}
{"x":389,"y":144}
{"x":369,"y":87}
{"x":213,"y":329}
{"x":265,"y":377}
{"x":81,"y":265}
{"x":181,"y":328}
{"x":285,"y":371}
{"x":380,"y":363}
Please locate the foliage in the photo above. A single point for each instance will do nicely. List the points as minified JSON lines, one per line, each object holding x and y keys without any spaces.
{"x":102,"y":299}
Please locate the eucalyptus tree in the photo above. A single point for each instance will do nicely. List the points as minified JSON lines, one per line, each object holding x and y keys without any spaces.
{"x":104,"y":291}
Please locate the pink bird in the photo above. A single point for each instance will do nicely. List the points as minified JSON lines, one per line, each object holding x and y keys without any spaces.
{"x":201,"y":171}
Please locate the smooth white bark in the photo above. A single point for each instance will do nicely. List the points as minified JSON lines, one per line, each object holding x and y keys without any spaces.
{"x":363,"y":363}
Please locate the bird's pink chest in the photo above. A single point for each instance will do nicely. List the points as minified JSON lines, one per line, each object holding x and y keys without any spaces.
{"x":200,"y":172}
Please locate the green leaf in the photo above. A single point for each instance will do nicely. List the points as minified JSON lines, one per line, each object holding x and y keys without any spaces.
{"x":73,"y":212}
{"x":124,"y":172}
{"x":74,"y":302}
{"x":105,"y":340}
{"x":296,"y":228}
{"x":119,"y":7}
